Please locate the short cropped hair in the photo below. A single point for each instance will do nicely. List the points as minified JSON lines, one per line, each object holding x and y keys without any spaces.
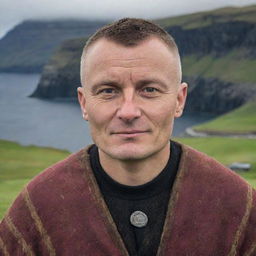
{"x":129,"y":32}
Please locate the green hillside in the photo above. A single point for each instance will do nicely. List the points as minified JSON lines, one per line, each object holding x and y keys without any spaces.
{"x":227,"y":151}
{"x":202,"y":19}
{"x":232,"y":67}
{"x":239,"y":121}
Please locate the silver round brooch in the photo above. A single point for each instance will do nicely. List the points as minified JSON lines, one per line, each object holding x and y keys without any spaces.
{"x":139,"y":219}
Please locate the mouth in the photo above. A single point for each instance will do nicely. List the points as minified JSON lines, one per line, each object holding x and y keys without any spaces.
{"x":130,"y":133}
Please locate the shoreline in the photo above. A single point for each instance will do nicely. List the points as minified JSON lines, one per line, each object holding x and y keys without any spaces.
{"x":192,"y":133}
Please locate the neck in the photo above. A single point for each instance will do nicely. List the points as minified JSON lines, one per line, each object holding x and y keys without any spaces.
{"x":135,"y":172}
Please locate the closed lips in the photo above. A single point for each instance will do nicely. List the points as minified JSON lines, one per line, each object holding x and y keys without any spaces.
{"x":129,"y":132}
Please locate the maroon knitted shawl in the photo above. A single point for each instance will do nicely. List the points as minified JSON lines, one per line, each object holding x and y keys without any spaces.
{"x":211,"y":212}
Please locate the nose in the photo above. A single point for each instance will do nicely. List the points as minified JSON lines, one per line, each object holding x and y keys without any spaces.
{"x":129,"y":109}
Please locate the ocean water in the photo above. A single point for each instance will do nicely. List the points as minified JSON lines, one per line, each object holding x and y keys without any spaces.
{"x":51,"y":123}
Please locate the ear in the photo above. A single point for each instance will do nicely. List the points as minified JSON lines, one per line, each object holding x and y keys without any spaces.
{"x":82,"y":101}
{"x":181,"y":99}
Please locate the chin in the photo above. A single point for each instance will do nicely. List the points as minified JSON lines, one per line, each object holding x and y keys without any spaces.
{"x":129,"y":153}
{"x":128,"y":156}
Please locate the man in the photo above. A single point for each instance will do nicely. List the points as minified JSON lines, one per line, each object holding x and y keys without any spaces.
{"x":134,"y":192}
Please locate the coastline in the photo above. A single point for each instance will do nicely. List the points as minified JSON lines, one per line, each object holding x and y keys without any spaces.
{"x":190,"y":132}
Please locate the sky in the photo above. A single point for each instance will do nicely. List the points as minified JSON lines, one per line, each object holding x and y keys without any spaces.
{"x":15,"y":11}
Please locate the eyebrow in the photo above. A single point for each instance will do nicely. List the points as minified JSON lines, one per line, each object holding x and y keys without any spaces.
{"x":150,"y":81}
{"x":104,"y":83}
{"x":140,"y":83}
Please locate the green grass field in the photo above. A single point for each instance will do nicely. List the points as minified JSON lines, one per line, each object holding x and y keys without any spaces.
{"x":241,"y":120}
{"x":18,"y":164}
{"x":227,"y":151}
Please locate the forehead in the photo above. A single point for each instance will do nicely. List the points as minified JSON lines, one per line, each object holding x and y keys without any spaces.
{"x":106,"y":49}
{"x":150,"y":55}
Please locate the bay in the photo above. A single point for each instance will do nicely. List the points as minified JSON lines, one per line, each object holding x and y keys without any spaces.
{"x":52,"y":123}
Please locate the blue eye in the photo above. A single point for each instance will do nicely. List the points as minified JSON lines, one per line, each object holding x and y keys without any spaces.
{"x":150,"y":89}
{"x":107,"y":91}
{"x":150,"y":92}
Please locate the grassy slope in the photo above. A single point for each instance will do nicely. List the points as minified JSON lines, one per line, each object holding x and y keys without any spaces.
{"x":18,"y":164}
{"x":202,"y":19}
{"x":232,"y":67}
{"x":227,"y":151}
{"x":241,"y":120}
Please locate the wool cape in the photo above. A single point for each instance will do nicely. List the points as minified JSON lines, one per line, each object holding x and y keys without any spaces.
{"x":211,"y":212}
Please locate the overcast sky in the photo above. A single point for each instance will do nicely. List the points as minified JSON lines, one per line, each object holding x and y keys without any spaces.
{"x":14,"y":11}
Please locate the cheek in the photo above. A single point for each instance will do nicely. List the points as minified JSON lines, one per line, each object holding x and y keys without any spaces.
{"x":99,"y":114}
{"x":163,"y":112}
{"x":166,"y":119}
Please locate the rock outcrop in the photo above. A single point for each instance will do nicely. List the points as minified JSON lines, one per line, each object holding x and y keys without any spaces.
{"x":211,"y":95}
{"x":217,"y":39}
{"x":60,"y":76}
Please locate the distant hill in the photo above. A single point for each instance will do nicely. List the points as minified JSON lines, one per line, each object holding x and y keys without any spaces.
{"x":218,"y":52}
{"x":28,"y":46}
{"x":207,"y":18}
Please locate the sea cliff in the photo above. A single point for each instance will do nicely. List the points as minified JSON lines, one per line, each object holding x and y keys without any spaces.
{"x":218,"y":59}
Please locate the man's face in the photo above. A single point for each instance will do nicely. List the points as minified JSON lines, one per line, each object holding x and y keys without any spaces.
{"x":130,"y":97}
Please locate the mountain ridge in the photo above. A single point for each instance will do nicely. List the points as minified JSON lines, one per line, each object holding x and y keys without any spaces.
{"x":29,"y":45}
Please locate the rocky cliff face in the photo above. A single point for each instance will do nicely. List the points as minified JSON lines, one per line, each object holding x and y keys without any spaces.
{"x":218,"y":39}
{"x":211,"y":95}
{"x":60,"y":77}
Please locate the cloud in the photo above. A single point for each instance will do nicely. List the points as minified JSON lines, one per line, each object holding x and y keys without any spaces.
{"x":15,"y":11}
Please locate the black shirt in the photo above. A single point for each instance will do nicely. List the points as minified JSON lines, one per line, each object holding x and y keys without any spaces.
{"x":151,"y":198}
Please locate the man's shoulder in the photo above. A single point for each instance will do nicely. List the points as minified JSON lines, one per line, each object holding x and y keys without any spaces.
{"x":66,"y":171}
{"x":58,"y":184}
{"x":215,"y":197}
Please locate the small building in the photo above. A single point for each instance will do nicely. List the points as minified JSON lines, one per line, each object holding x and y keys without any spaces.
{"x":240,"y":166}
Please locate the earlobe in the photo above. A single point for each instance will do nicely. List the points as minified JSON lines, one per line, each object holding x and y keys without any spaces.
{"x":85,"y":116}
{"x":82,"y":101}
{"x":181,"y":99}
